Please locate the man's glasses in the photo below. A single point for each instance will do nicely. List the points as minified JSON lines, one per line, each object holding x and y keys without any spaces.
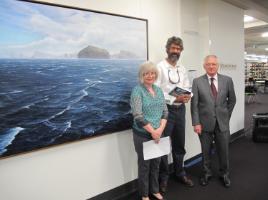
{"x":172,"y":81}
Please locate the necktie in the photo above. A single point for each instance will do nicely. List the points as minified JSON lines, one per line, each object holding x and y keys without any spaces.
{"x":213,"y":88}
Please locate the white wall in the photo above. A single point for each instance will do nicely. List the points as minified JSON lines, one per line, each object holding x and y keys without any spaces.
{"x":81,"y":170}
{"x":87,"y":168}
{"x":195,"y":33}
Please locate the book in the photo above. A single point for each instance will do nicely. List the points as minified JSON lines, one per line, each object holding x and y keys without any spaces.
{"x":179,"y":91}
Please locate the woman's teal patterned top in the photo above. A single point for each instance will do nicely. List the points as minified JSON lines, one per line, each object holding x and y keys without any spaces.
{"x":147,"y":109}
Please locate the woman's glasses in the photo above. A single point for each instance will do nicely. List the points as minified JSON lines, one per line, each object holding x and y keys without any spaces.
{"x":149,"y":74}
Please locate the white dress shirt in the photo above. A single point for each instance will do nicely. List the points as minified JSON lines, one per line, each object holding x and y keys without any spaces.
{"x":170,"y":77}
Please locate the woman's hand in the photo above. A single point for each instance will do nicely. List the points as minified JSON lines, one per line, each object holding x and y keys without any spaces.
{"x":156,"y":135}
{"x":159,"y":131}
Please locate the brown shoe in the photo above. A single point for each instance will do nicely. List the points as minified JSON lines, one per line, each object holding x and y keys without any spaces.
{"x":186,"y":181}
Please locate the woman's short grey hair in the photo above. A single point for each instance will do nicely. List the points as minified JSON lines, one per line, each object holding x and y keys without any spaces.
{"x":145,"y":67}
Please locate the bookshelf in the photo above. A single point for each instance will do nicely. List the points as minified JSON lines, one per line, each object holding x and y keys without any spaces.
{"x":255,"y":71}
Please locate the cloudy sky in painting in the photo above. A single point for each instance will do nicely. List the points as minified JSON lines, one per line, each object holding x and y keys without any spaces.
{"x":35,"y":30}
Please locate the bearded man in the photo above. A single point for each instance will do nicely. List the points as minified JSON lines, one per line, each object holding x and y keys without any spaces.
{"x":171,"y":75}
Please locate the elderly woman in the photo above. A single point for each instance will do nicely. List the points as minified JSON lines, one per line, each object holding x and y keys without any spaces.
{"x":150,"y":116}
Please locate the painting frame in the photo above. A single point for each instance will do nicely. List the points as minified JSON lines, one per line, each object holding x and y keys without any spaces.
{"x":76,"y":139}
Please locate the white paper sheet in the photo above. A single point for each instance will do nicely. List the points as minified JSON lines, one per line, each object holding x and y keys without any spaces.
{"x":154,"y":150}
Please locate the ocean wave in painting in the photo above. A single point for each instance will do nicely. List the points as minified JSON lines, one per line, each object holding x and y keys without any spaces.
{"x":46,"y":102}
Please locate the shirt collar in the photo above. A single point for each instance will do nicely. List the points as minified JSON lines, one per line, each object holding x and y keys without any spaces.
{"x":215,"y":77}
{"x":171,"y":66}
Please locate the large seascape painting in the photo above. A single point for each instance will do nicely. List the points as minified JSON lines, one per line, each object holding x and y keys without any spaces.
{"x":65,"y":73}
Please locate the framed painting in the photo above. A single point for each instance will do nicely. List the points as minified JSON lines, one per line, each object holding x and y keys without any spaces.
{"x":66,"y":73}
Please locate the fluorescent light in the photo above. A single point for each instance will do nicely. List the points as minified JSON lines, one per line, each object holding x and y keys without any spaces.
{"x":264,"y":34}
{"x":257,"y":58}
{"x":209,"y":42}
{"x":266,"y":49}
{"x":248,"y":18}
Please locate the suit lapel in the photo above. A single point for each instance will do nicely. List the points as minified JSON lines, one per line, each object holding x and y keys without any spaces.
{"x":220,"y":84}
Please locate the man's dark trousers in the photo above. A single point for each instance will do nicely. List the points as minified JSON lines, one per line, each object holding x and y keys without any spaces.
{"x":175,"y":128}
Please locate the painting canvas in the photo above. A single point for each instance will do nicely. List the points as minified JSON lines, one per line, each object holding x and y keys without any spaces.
{"x":65,"y":73}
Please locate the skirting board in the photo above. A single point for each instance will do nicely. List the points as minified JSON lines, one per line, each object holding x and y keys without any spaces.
{"x":131,"y":187}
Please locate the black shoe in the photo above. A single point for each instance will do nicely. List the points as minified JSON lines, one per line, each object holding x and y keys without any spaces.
{"x":226,"y":181}
{"x":186,"y":181}
{"x":205,"y":179}
{"x":163,"y":187}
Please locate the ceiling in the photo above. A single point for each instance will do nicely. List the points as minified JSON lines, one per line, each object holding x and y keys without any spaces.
{"x":254,"y":42}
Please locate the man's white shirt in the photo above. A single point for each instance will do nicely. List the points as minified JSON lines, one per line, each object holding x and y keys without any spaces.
{"x":167,"y":72}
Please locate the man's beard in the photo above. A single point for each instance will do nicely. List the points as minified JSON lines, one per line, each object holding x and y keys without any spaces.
{"x":174,"y":57}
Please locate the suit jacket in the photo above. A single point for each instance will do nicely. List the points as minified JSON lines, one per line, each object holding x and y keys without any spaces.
{"x":206,"y":110}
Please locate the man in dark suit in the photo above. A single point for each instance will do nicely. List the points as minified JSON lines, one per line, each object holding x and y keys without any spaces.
{"x":211,"y":108}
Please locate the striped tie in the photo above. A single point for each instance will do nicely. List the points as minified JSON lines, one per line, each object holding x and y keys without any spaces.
{"x":213,"y":88}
